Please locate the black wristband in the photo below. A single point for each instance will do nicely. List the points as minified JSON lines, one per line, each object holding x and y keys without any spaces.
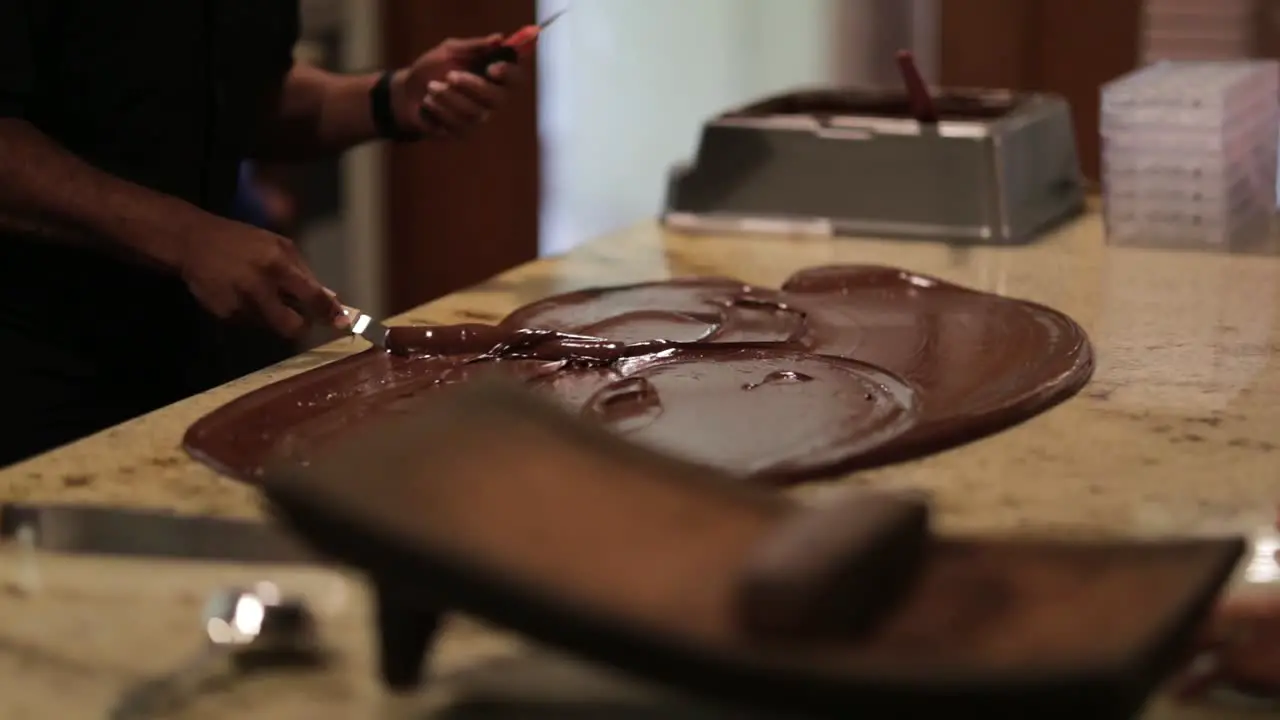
{"x":384,"y":118}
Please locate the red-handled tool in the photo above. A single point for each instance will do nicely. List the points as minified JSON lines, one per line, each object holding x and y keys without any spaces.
{"x":918,"y":96}
{"x":509,"y":50}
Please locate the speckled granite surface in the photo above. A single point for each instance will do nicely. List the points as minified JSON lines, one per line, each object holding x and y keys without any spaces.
{"x":1178,"y":432}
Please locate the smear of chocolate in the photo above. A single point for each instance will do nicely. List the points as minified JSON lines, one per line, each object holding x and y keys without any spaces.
{"x":845,"y":367}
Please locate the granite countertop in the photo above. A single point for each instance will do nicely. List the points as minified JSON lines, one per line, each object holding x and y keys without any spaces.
{"x":1179,"y":432}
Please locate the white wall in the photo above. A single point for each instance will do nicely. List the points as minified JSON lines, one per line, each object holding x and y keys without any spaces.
{"x":626,"y":84}
{"x":363,"y":210}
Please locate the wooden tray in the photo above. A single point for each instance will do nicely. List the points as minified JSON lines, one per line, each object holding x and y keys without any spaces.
{"x":491,"y":502}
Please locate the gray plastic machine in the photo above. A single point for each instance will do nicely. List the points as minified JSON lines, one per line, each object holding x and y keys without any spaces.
{"x":995,"y":167}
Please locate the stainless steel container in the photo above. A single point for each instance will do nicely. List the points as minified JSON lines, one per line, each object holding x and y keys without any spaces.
{"x":997,"y":167}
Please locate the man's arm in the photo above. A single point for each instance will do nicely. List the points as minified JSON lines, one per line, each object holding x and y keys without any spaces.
{"x":49,"y":191}
{"x":316,"y":112}
{"x":229,"y":267}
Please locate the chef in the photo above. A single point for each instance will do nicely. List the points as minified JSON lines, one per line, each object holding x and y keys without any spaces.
{"x":123,"y":284}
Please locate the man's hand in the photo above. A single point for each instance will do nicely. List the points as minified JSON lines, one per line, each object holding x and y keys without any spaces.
{"x":1242,"y":645}
{"x":1240,"y":648}
{"x":438,"y":95}
{"x":235,"y":269}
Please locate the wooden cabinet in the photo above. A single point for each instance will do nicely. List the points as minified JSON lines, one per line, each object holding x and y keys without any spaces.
{"x":1069,"y":47}
{"x":459,"y":212}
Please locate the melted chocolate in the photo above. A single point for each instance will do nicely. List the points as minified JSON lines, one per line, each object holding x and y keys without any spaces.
{"x":973,"y":106}
{"x":844,"y":367}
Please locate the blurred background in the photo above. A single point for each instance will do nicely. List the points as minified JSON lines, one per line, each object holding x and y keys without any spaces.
{"x":622,"y":87}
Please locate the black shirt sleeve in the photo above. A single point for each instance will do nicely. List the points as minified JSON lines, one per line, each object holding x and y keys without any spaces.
{"x":17,"y":55}
{"x":292,"y":34}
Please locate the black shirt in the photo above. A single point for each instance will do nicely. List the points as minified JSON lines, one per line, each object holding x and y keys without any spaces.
{"x":164,"y":93}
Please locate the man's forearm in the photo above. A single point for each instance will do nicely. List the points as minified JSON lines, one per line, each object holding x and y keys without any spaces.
{"x":47,"y":191}
{"x":318,"y":113}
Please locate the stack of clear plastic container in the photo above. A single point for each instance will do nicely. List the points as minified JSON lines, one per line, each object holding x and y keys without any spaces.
{"x":1189,"y":154}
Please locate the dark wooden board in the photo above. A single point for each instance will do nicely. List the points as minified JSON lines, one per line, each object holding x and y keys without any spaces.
{"x":490,"y":502}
